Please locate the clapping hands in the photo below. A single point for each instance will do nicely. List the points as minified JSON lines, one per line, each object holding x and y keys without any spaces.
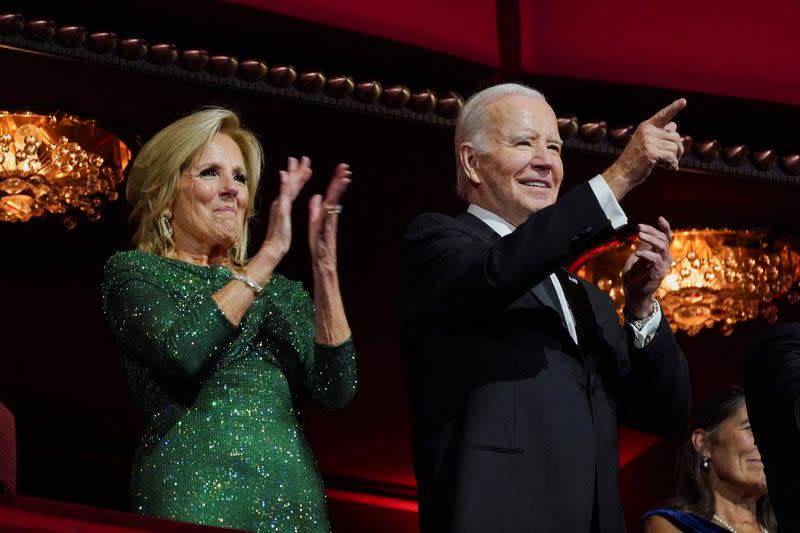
{"x":322,"y":217}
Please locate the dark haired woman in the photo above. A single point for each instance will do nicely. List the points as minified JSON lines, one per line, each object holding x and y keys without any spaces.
{"x":721,"y":484}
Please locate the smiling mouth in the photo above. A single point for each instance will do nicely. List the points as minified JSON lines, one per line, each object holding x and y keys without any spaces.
{"x":535,"y":183}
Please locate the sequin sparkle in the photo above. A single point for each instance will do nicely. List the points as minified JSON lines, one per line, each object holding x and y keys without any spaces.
{"x":223,"y":443}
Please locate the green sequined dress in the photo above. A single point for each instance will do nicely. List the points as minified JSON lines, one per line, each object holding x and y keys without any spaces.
{"x":223,"y":442}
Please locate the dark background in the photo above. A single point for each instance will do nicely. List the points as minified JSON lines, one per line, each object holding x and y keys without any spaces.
{"x":60,"y":373}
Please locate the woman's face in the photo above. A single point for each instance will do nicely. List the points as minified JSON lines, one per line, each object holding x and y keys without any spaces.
{"x":734,"y":457}
{"x":208,"y":212}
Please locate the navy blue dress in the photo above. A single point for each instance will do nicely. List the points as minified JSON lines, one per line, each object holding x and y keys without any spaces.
{"x":686,"y":522}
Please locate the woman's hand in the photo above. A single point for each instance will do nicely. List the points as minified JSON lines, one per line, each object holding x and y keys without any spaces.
{"x":323,"y":218}
{"x":236,"y":297}
{"x":279,"y":231}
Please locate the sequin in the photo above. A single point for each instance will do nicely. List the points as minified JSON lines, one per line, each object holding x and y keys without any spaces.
{"x":223,"y":443}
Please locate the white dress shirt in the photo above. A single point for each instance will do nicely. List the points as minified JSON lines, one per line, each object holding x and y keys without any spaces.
{"x":616,"y":216}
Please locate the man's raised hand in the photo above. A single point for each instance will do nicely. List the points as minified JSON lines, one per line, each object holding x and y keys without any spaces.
{"x":655,"y":142}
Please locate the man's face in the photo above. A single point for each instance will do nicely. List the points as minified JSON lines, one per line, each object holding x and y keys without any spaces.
{"x":522,"y":171}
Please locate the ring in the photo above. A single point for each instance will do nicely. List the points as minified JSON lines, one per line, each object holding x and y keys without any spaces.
{"x":333,"y":209}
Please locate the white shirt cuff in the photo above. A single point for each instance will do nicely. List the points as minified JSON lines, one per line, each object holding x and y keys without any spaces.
{"x":643,"y":337}
{"x":608,"y":203}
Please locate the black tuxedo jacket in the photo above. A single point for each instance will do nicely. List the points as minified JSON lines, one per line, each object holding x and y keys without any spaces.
{"x":514,"y":425}
{"x":772,"y":390}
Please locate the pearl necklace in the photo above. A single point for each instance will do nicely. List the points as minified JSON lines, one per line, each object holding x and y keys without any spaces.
{"x":729,"y":527}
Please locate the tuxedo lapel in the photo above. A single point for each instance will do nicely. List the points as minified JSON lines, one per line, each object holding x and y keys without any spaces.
{"x":541,"y":293}
{"x":538,"y":291}
{"x":579,"y":304}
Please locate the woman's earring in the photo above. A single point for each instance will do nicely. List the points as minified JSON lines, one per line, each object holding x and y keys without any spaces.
{"x":167,"y":225}
{"x":705,"y":462}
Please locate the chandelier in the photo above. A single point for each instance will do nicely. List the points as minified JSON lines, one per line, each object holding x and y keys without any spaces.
{"x":58,"y":164}
{"x":717,"y":276}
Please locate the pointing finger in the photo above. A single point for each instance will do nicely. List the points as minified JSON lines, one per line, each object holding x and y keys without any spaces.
{"x":663,"y":117}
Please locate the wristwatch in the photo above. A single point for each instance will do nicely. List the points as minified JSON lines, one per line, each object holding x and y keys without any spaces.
{"x":639,"y":323}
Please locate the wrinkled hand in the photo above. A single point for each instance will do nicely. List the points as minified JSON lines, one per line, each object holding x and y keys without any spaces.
{"x":323,"y":220}
{"x":646,"y":268}
{"x":279,"y":231}
{"x":655,"y":142}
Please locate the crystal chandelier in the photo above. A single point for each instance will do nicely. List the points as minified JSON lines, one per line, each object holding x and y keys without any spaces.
{"x":57,"y":164}
{"x":720,"y":276}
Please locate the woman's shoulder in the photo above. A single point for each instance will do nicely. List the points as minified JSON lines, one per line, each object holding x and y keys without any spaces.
{"x":131,"y":265}
{"x":124,"y":259}
{"x":130,"y":261}
{"x":667,"y":520}
{"x":119,"y":270}
{"x":656,"y":523}
{"x":127,"y":258}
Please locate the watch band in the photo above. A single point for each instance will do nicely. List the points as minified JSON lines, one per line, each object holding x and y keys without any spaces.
{"x":639,"y":323}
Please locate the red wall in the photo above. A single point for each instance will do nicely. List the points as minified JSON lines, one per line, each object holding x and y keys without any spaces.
{"x":745,"y":50}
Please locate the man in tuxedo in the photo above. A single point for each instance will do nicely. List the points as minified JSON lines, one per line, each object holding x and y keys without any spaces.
{"x":772,"y":393}
{"x":518,"y":370}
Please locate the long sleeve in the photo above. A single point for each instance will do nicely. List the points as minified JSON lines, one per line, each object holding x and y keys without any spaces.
{"x":655,"y":395}
{"x":642,"y":337}
{"x":329,"y":372}
{"x":459,"y":272}
{"x":153,"y":330}
{"x":331,"y":378}
{"x":608,"y":202}
{"x":221,"y":404}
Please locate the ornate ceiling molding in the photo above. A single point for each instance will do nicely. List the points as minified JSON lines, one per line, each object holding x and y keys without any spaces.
{"x":706,"y":155}
{"x":197,"y":65}
{"x":342,"y":91}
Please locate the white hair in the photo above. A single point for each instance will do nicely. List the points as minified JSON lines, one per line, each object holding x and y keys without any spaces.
{"x":471,"y":125}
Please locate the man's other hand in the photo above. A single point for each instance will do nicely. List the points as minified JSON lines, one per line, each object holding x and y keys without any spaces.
{"x":646,"y":268}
